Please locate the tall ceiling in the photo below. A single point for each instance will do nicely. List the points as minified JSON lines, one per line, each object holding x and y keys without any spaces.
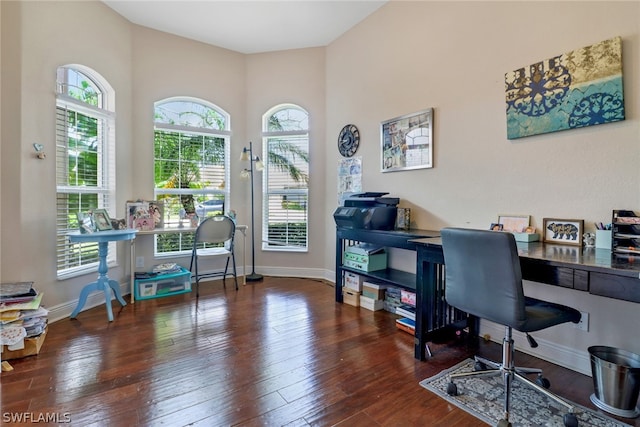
{"x":250,"y":26}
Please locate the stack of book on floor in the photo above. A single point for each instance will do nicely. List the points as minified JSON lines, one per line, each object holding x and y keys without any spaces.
{"x":23,"y":322}
{"x":407,"y":309}
{"x":392,"y":299}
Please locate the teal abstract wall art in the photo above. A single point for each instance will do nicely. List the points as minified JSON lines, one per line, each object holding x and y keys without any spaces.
{"x":577,"y":89}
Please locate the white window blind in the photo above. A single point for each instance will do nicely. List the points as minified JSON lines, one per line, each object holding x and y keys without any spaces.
{"x":191,"y":158}
{"x":85,"y":164}
{"x":286,"y":179}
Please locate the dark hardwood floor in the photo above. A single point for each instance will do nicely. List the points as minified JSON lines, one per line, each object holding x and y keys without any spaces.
{"x":275,"y":353}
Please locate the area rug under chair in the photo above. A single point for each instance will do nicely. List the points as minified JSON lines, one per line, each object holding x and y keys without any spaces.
{"x":483,"y":397}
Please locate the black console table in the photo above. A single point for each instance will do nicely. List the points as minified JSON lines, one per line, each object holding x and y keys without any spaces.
{"x":591,"y":270}
{"x":432,"y":312}
{"x":392,"y":239}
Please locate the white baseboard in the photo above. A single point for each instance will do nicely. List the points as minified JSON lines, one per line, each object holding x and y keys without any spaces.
{"x":64,"y":310}
{"x":566,"y":357}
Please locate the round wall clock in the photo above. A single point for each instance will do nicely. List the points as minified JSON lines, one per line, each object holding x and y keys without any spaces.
{"x":348,"y":140}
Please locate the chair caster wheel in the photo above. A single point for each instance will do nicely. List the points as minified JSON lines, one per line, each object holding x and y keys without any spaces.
{"x":479,"y":366}
{"x":543,"y":382}
{"x":570,"y":420}
{"x":452,"y":389}
{"x":504,"y":423}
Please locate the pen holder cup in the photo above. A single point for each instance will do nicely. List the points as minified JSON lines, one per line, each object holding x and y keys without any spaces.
{"x":603,"y":239}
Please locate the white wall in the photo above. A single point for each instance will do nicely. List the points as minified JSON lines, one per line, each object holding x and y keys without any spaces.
{"x":35,"y":44}
{"x":405,"y":57}
{"x":165,"y":66}
{"x":453,"y":56}
{"x":292,"y":76}
{"x":143,"y":66}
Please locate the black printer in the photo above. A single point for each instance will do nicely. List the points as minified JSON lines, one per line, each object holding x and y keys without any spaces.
{"x":368,"y":210}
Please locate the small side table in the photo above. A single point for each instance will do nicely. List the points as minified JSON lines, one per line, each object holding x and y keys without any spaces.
{"x":103,"y":283}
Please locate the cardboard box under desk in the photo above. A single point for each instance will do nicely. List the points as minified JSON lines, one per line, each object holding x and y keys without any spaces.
{"x":371,"y":304}
{"x":373,"y":290}
{"x":351,"y":297}
{"x":32,"y":347}
{"x":352,"y":281}
{"x":365,"y":262}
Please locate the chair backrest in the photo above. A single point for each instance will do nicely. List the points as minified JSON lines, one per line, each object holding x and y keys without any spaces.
{"x":216,"y":229}
{"x":483,"y":276}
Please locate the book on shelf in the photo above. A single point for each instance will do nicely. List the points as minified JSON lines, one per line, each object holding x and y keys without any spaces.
{"x":407,"y":311}
{"x":407,"y":322}
{"x":406,"y":325}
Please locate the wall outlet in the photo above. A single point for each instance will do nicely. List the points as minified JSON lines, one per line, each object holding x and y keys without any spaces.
{"x":583,"y":324}
{"x":140,"y":261}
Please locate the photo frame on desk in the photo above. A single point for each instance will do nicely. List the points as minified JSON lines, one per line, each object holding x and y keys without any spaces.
{"x":516,"y":223}
{"x":563,"y":231}
{"x":101,"y":220}
{"x":144,"y":215}
{"x":407,"y":142}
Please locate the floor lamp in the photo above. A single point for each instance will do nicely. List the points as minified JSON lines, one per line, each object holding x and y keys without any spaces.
{"x":247,"y":154}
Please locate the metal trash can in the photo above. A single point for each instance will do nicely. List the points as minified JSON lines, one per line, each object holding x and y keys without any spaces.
{"x":616,"y":379}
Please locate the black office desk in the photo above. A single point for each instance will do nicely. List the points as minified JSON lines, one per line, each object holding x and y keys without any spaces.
{"x":585,"y":269}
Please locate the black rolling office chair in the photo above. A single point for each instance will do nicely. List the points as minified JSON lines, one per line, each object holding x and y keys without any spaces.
{"x":483,"y":278}
{"x":219,"y":229}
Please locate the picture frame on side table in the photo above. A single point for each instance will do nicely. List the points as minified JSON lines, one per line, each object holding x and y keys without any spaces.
{"x":563,"y":231}
{"x":407,"y":142}
{"x":85,"y":222}
{"x":101,"y":220}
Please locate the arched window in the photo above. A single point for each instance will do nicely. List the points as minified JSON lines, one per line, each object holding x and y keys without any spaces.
{"x":286,"y":178}
{"x":191,"y":159}
{"x":85,"y":161}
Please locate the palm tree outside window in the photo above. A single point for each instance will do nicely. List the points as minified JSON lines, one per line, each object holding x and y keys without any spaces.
{"x":191,"y":166}
{"x":286,"y":179}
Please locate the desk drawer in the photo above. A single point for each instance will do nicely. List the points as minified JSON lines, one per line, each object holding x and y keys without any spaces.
{"x":609,"y":285}
{"x":538,"y":272}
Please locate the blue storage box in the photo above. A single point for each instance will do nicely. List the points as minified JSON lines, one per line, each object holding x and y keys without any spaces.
{"x":163,"y":285}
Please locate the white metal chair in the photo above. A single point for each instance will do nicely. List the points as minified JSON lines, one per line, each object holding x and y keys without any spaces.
{"x":216,"y":230}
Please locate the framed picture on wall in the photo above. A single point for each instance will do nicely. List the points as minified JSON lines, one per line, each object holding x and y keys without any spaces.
{"x":563,"y":231}
{"x":407,"y":142}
